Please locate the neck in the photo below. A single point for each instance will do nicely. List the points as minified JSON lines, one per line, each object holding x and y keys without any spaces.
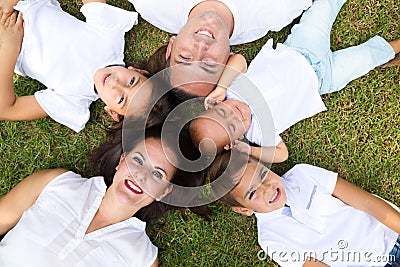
{"x":110,"y":212}
{"x":218,"y":8}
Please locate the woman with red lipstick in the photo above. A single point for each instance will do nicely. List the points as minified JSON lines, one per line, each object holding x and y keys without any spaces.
{"x":69,"y":57}
{"x":58,"y":218}
{"x":312,"y":217}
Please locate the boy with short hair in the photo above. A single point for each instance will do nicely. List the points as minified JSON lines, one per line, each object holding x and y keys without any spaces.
{"x":312,"y":217}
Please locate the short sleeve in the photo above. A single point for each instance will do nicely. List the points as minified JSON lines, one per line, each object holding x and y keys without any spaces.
{"x":322,"y":177}
{"x":72,"y":111}
{"x":107,"y":16}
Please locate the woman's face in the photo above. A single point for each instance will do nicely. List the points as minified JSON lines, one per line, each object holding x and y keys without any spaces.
{"x":143,"y":175}
{"x":117,"y":86}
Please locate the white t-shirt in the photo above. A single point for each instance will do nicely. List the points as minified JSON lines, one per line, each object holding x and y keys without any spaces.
{"x":281,"y":88}
{"x":253,"y":18}
{"x":52,"y":231}
{"x":320,"y":226}
{"x":63,"y":53}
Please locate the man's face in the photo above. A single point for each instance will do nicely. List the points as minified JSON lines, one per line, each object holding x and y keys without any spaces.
{"x":205,"y":40}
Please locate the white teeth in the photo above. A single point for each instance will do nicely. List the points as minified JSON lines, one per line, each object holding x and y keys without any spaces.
{"x":133,"y":186}
{"x":206,"y":33}
{"x":274,"y":196}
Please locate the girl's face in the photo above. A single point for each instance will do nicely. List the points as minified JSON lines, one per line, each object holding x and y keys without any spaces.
{"x":117,"y":86}
{"x":147,"y":177}
{"x":224,"y":123}
{"x":260,"y":189}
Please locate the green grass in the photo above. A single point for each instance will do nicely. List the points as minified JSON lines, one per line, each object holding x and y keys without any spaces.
{"x":358,"y":137}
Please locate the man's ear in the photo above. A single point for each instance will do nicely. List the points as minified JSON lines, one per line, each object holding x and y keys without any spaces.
{"x":144,"y":72}
{"x":244,"y":211}
{"x":169,"y":47}
{"x":112,"y":113}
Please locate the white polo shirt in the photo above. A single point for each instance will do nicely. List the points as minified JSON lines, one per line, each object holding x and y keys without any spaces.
{"x":63,"y":53}
{"x":321,"y":226}
{"x":253,"y":18}
{"x":281,"y":88}
{"x":52,"y":231}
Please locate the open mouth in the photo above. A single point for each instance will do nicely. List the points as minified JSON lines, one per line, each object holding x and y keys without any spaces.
{"x":276,"y":196}
{"x":133,"y":187}
{"x":206,"y":32}
{"x":105,"y":77}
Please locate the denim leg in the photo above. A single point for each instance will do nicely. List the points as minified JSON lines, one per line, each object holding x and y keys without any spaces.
{"x":394,"y":255}
{"x":314,"y":29}
{"x":353,"y":62}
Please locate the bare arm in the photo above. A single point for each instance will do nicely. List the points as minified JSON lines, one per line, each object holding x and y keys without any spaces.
{"x":265,"y":154}
{"x":155,"y":263}
{"x":22,"y":196}
{"x":11,"y":107}
{"x":314,"y":263}
{"x":236,"y":64}
{"x":364,"y":201}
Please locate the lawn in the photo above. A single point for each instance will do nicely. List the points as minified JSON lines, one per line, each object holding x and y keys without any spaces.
{"x":358,"y":137}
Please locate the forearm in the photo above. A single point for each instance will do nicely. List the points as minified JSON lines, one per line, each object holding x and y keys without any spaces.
{"x":8,"y":60}
{"x":269,"y":154}
{"x":236,"y":64}
{"x":364,"y":201}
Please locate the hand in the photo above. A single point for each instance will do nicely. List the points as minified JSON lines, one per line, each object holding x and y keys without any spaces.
{"x":242,"y":147}
{"x":210,"y":103}
{"x":12,"y":33}
{"x":6,"y":9}
{"x":215,"y":97}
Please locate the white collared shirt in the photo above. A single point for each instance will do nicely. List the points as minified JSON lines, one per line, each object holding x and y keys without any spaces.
{"x":321,"y":226}
{"x":281,"y":89}
{"x":63,"y":53}
{"x":52,"y":231}
{"x":253,"y":18}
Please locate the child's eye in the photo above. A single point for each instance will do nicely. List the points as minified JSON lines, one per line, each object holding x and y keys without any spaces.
{"x":121,"y":100}
{"x":263,"y":175}
{"x":252,"y":194}
{"x":232,"y":128}
{"x":138,"y":161}
{"x":132,"y":82}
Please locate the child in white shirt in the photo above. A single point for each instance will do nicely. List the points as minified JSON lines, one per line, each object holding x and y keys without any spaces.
{"x":312,"y":217}
{"x":70,"y":57}
{"x":283,"y":86}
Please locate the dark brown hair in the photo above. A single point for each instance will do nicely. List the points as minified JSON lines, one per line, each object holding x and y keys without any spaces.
{"x":225,"y":164}
{"x":107,"y":157}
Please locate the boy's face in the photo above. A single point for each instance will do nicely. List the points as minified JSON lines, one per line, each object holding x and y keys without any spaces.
{"x":117,"y":86}
{"x":259,"y":190}
{"x":224,"y":123}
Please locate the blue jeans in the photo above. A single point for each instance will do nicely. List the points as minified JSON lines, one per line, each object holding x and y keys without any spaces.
{"x":395,"y":254}
{"x":311,"y":38}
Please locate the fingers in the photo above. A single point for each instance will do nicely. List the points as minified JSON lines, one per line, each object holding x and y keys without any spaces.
{"x":20,"y":20}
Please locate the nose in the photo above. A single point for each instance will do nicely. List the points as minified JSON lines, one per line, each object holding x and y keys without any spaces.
{"x":114,"y":83}
{"x":139,"y":176}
